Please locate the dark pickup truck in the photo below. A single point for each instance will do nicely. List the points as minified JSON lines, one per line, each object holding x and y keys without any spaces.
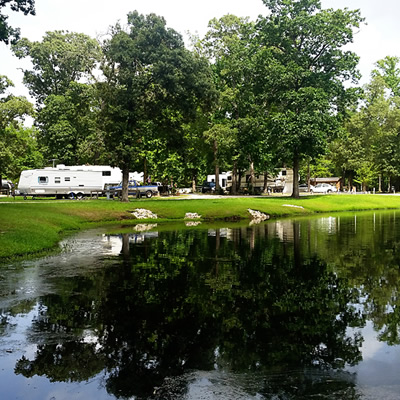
{"x":135,"y":188}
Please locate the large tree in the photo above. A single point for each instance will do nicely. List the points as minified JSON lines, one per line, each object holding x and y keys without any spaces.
{"x":59,"y":59}
{"x":8,"y":33}
{"x":305,"y":65}
{"x":235,"y":124}
{"x":61,"y":63}
{"x":153,"y":85}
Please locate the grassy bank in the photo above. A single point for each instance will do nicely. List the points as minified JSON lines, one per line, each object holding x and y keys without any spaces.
{"x":29,"y":227}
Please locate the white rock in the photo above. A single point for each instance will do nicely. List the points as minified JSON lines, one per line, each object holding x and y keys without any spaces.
{"x":192,"y":216}
{"x":141,"y":213}
{"x":257,"y":216}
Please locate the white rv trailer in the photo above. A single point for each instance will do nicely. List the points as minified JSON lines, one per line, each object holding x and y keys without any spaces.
{"x":223,"y":178}
{"x":68,"y":181}
{"x":112,"y":176}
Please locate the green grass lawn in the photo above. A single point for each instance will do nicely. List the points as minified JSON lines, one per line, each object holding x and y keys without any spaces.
{"x":31,"y":226}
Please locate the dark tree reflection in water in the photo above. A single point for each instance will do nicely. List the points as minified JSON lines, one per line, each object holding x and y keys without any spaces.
{"x":255,"y":312}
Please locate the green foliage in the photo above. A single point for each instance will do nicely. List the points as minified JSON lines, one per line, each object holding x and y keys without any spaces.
{"x":320,"y":167}
{"x":389,"y":70}
{"x":365,"y":174}
{"x":13,"y":109}
{"x":369,"y":145}
{"x":306,"y":66}
{"x":153,"y":86}
{"x":59,"y":59}
{"x":68,"y":125}
{"x":8,"y":34}
{"x":237,"y":121}
{"x":19,"y":151}
{"x":18,"y":147}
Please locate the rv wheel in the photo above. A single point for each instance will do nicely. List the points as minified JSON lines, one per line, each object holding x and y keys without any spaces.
{"x":149,"y":194}
{"x":70,"y":196}
{"x":79,"y":196}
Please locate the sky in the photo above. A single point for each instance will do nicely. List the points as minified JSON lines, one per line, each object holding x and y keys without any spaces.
{"x":375,"y":40}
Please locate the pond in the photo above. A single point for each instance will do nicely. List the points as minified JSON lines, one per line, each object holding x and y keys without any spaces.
{"x":288,"y":309}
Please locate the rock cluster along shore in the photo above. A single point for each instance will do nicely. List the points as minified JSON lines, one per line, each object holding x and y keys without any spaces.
{"x":192,"y":216}
{"x":142,"y":213}
{"x":257,"y":216}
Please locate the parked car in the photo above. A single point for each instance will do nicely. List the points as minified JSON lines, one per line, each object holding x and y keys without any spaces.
{"x":324,"y":188}
{"x":303,"y":187}
{"x":208,"y":187}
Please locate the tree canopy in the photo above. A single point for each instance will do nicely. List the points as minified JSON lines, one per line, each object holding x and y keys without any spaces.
{"x":8,"y":34}
{"x":248,"y":97}
{"x":153,"y":85}
{"x":59,"y":59}
{"x":306,"y":66}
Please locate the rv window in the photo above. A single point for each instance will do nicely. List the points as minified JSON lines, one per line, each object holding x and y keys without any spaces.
{"x":67,"y":179}
{"x":284,"y":172}
{"x":106,"y":173}
{"x":43,"y":179}
{"x":57,"y":179}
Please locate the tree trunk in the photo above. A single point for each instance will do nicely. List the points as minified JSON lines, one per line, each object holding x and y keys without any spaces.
{"x":308,"y":176}
{"x":265,"y":190}
{"x":295,"y":192}
{"x":125,"y":183}
{"x":350,"y":181}
{"x":216,"y":167}
{"x":234,"y":178}
{"x":380,"y":183}
{"x":252,"y":178}
{"x":238,"y":183}
{"x":194,"y":179}
{"x":388,"y":184}
{"x":145,"y":171}
{"x":216,"y":178}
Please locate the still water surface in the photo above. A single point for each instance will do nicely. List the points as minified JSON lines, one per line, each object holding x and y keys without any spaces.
{"x":289,"y":309}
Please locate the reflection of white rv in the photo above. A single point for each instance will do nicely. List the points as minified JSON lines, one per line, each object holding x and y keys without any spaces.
{"x":282,"y":182}
{"x":68,"y":181}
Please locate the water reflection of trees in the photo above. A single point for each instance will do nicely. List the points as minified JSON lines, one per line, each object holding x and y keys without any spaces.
{"x":188,"y":300}
{"x":366,"y":251}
